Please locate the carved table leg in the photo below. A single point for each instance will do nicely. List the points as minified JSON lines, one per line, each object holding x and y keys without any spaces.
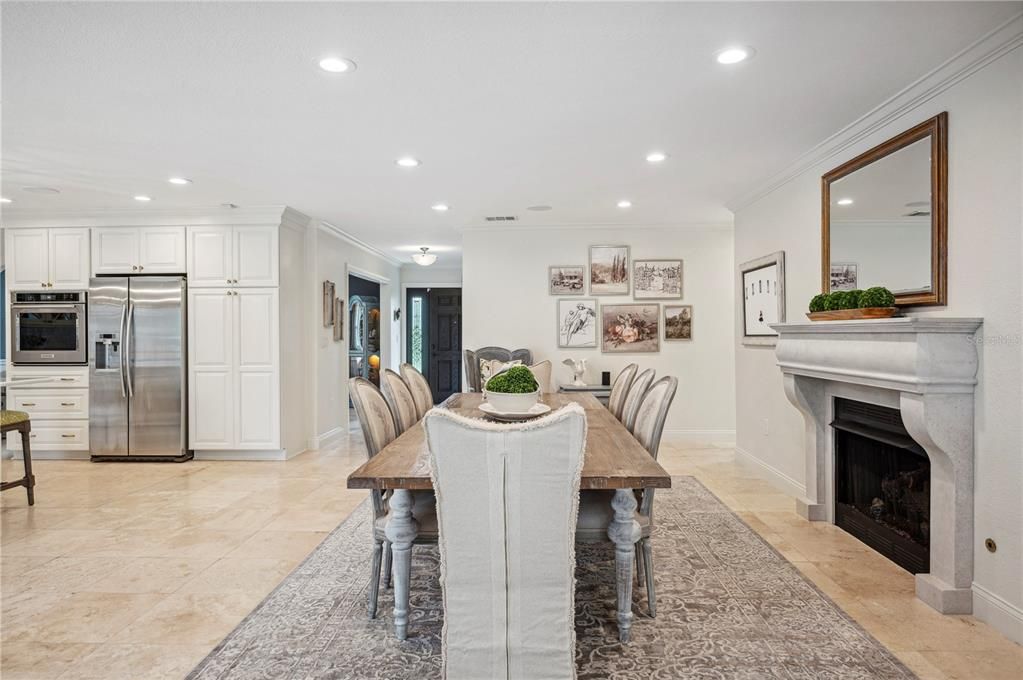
{"x":624,"y":531}
{"x":401,"y":530}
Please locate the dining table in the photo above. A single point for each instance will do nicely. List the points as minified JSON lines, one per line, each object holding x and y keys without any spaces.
{"x":613,"y":460}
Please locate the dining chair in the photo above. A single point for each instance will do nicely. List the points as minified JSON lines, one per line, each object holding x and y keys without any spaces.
{"x":507,"y":496}
{"x":595,"y":513}
{"x":637,"y":390}
{"x":399,"y":399}
{"x":474,"y":357}
{"x":542,"y":373}
{"x":379,"y":430}
{"x":419,"y":387}
{"x":620,"y":389}
{"x":19,"y":421}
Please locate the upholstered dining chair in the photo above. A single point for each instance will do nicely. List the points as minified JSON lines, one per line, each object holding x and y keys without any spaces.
{"x":637,"y":390}
{"x":474,"y":357}
{"x":595,"y":513}
{"x":507,"y":496}
{"x":419,"y":387}
{"x":399,"y":399}
{"x":379,"y":430}
{"x":620,"y":389}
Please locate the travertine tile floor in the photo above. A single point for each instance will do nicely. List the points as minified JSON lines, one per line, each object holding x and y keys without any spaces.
{"x":137,"y":570}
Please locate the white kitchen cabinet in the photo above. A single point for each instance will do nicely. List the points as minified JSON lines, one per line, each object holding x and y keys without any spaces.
{"x":47,"y":258}
{"x":59,"y":409}
{"x":234,"y":390}
{"x":138,"y":250}
{"x":233,"y":256}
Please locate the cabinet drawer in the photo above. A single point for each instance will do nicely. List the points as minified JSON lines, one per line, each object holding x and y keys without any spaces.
{"x":63,"y":377}
{"x":50,"y":404}
{"x":54,"y":435}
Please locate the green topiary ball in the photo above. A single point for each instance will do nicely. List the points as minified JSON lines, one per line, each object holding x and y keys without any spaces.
{"x":516,"y":380}
{"x":835,"y":301}
{"x":817,"y":302}
{"x":878,"y":296}
{"x":853,"y":298}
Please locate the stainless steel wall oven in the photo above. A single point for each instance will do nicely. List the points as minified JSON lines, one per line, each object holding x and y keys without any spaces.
{"x":49,"y":328}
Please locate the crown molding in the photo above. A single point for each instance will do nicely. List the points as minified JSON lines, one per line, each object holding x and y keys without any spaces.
{"x":728,"y":226}
{"x":136,"y":217}
{"x":995,"y":44}
{"x":337,"y":232}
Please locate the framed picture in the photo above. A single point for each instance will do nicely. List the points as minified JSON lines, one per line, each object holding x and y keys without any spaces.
{"x":657,"y":279}
{"x":566,"y":280}
{"x":762,"y":282}
{"x":609,"y":270}
{"x":328,"y":304}
{"x":339,"y":319}
{"x":630,"y":328}
{"x":843,"y":276}
{"x":577,"y":323}
{"x":678,"y":322}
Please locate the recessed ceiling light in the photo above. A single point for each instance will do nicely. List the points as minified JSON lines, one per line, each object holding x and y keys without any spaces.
{"x":656,"y":157}
{"x":337,"y":65}
{"x":142,"y":198}
{"x":733,"y":55}
{"x":179,"y":180}
{"x":539,"y":208}
{"x":624,"y":204}
{"x":41,"y":190}
{"x":440,"y":207}
{"x":5,"y":200}
{"x":407,"y":162}
{"x":845,"y":201}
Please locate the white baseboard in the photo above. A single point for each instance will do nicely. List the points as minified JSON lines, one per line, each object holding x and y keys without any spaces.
{"x":701,"y":436}
{"x":241,"y":454}
{"x":771,"y":474}
{"x":998,"y":613}
{"x":329,"y":438}
{"x":48,"y":455}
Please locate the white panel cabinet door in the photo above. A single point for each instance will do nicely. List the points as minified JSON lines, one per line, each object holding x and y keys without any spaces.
{"x":69,"y":259}
{"x":210,"y":256}
{"x":115,"y":250}
{"x":257,"y":365}
{"x":28,"y":261}
{"x":256,"y":259}
{"x":211,"y":337}
{"x":162,"y":250}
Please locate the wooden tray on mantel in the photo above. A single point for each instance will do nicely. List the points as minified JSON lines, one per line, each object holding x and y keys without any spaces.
{"x":852,"y":314}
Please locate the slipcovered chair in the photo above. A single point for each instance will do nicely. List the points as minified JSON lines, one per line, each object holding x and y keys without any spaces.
{"x":419,"y":387}
{"x":595,"y":513}
{"x":474,"y":357}
{"x":636,"y":393}
{"x":507,"y":496}
{"x":620,"y":389}
{"x":399,"y":399}
{"x":19,"y":421}
{"x":379,"y":430}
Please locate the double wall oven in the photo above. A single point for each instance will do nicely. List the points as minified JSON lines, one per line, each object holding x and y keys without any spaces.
{"x":49,"y":327}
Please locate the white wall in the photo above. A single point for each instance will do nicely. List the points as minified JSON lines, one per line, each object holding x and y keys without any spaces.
{"x":505,"y":302}
{"x":335,"y":258}
{"x":985,"y":262}
{"x":414,"y":275}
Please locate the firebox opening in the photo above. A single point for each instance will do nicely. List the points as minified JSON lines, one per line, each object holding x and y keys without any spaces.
{"x":882,"y":483}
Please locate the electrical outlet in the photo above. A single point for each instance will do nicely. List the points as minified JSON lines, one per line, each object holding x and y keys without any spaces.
{"x":765,"y":427}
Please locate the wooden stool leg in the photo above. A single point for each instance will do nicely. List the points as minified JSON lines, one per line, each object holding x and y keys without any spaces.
{"x":26,"y":447}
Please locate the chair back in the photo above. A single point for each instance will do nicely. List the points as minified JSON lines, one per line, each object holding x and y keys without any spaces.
{"x":399,"y":398}
{"x":507,"y":499}
{"x":649,"y":426}
{"x":620,"y":388}
{"x":636,"y":393}
{"x":419,"y":387}
{"x":377,"y":423}
{"x":542,"y":373}
{"x":474,"y":357}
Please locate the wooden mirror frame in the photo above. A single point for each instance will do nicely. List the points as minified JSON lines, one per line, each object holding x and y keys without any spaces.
{"x":937,"y":129}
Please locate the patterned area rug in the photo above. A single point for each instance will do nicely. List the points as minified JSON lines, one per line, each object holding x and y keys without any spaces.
{"x":728,"y":607}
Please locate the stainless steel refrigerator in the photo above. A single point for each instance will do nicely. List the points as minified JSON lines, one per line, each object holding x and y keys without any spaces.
{"x":137,"y":391}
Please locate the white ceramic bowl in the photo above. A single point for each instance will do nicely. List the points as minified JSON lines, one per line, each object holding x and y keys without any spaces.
{"x":511,"y":403}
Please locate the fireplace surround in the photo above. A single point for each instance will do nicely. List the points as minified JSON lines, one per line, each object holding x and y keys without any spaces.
{"x":925,"y":368}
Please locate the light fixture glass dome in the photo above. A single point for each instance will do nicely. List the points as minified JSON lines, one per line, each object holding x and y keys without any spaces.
{"x":424,"y":258}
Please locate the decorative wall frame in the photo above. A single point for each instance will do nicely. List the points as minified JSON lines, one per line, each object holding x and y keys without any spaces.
{"x":339,"y":319}
{"x":678,"y":322}
{"x":657,"y":279}
{"x":630,"y":328}
{"x":328,"y":304}
{"x":610,"y":270}
{"x":761,"y":288}
{"x":578,"y":323}
{"x":566,"y":279}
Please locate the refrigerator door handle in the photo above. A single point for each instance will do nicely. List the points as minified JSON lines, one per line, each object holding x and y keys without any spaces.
{"x":121,"y":329}
{"x":126,"y":351}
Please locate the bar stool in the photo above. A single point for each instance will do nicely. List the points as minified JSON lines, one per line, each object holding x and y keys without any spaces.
{"x":19,"y":420}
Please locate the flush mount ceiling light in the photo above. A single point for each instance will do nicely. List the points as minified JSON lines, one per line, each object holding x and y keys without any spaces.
{"x":845,"y":201}
{"x":656,"y":157}
{"x":144,"y":199}
{"x":179,"y":180}
{"x":337,"y":65}
{"x":5,"y":200}
{"x":424,"y":258}
{"x":624,"y":204}
{"x":41,"y":190}
{"x":407,"y":162}
{"x":440,"y":207}
{"x":733,"y":55}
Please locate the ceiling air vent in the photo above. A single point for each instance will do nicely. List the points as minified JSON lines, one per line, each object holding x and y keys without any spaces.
{"x":501,"y":218}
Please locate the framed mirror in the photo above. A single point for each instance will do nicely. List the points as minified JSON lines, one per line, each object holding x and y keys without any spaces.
{"x":884,"y":218}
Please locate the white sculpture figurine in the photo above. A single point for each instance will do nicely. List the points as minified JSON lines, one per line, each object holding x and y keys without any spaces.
{"x":578,"y":369}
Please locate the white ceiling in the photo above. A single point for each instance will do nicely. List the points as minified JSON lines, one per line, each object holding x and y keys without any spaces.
{"x":507,"y":105}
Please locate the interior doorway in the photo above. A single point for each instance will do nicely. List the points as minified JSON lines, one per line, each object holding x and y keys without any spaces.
{"x":364,"y":329}
{"x":433,"y":341}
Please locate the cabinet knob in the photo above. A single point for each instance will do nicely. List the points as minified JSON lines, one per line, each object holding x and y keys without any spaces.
{"x":68,"y":436}
{"x":28,"y":403}
{"x":229,"y":280}
{"x":67,"y":403}
{"x":134,"y":268}
{"x":141,"y":267}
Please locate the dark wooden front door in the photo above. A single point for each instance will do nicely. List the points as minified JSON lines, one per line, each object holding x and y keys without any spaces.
{"x":445,"y":338}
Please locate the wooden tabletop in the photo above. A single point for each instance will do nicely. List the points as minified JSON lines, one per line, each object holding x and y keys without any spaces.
{"x":614,"y":459}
